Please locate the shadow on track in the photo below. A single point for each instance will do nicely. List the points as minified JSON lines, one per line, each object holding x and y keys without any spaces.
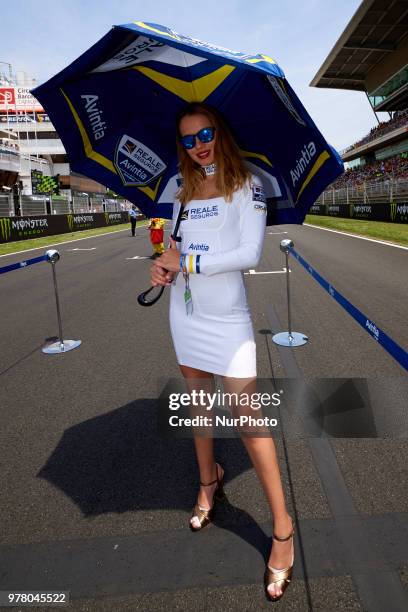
{"x":116,"y":462}
{"x":37,"y":348}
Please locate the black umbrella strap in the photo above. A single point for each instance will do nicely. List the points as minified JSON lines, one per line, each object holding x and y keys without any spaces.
{"x":176,"y":228}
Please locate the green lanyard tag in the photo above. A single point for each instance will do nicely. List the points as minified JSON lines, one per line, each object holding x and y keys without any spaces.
{"x":188,"y":301}
{"x":187,"y":293}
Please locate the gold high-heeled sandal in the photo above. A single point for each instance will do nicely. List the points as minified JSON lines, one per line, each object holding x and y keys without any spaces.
{"x":280,"y":577}
{"x":205,"y":515}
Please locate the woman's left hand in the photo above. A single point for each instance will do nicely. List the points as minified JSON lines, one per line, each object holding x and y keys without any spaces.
{"x":170,"y":259}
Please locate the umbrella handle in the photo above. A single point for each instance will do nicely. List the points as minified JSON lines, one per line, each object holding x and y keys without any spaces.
{"x":141,"y":298}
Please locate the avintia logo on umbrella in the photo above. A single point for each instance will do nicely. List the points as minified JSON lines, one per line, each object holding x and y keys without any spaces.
{"x":136,"y":163}
{"x":94,"y":115}
{"x":308,"y":152}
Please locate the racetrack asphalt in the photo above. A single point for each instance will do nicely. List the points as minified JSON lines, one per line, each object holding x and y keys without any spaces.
{"x":95,"y":502}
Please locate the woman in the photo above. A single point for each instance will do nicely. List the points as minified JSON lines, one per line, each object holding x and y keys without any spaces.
{"x":222,"y":232}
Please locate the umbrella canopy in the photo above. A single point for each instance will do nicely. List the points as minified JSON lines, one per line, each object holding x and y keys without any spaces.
{"x":114,"y":109}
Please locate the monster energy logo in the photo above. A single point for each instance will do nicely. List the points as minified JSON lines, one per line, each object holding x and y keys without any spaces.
{"x":402,"y":212}
{"x":393,"y":213}
{"x":113,"y":218}
{"x":361,"y":210}
{"x":83,"y":219}
{"x":5,"y":227}
{"x":70,"y":219}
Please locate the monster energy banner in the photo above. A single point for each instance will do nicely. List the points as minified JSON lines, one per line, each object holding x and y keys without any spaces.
{"x":23,"y":228}
{"x":395,"y":212}
{"x":318,"y":209}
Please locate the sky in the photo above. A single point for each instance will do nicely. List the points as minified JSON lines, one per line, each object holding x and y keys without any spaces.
{"x":41,"y":38}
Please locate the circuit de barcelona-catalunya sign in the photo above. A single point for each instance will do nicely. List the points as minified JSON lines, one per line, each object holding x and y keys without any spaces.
{"x":35,"y":226}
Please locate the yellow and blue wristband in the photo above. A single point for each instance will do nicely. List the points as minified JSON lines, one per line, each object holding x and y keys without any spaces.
{"x":191,"y":263}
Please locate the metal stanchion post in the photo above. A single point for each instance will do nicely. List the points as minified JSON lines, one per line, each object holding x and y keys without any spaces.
{"x":62,"y":346}
{"x":288,"y":338}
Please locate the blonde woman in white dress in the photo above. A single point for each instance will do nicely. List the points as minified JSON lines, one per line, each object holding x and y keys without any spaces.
{"x":222,"y":232}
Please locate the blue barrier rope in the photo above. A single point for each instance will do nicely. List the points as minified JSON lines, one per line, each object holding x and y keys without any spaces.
{"x":22,"y":264}
{"x":396,"y":351}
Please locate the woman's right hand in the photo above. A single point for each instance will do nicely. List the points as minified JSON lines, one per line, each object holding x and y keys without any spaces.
{"x":161,"y":276}
{"x":158,"y":274}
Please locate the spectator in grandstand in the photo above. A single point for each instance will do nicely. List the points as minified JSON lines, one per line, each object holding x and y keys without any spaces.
{"x":398,"y":120}
{"x":392,"y":168}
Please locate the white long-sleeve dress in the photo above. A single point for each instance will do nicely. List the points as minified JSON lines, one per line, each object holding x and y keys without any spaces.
{"x":220,"y":240}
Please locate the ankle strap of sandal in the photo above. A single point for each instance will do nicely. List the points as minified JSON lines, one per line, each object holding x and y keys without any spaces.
{"x":203,"y":484}
{"x":275,"y":537}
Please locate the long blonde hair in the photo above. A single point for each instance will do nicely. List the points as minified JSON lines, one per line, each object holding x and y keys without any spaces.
{"x":231,"y":171}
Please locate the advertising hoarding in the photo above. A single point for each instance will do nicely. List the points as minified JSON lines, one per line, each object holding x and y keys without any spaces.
{"x":14,"y":99}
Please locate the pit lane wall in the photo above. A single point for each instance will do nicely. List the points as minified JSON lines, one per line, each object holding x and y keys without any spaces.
{"x":35,"y":226}
{"x":394,"y":212}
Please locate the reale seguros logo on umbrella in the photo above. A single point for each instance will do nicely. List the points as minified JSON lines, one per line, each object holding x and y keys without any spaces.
{"x":136,"y":163}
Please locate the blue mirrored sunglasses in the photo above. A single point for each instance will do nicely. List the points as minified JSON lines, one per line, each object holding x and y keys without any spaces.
{"x":204,"y":135}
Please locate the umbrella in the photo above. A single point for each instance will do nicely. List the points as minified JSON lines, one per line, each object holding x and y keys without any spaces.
{"x":114,"y":109}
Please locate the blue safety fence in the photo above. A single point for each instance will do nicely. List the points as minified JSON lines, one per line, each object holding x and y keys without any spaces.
{"x":396,"y":351}
{"x":22,"y":264}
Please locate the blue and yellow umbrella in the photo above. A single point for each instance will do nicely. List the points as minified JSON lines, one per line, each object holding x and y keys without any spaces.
{"x":114,"y":109}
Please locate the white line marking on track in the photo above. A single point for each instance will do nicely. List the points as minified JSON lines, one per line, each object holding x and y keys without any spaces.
{"x":57,"y":244}
{"x":276,"y":233}
{"x":138,"y":257}
{"x":391,"y":244}
{"x":283,"y":271}
{"x":77,"y":249}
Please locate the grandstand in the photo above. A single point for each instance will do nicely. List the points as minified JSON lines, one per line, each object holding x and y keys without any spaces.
{"x":30,"y":147}
{"x":371,"y":56}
